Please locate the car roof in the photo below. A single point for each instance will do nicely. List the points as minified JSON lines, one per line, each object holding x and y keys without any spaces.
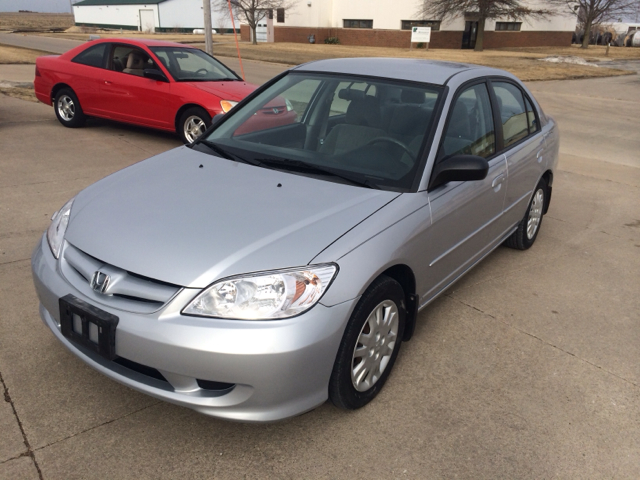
{"x":140,"y":42}
{"x":417,"y":70}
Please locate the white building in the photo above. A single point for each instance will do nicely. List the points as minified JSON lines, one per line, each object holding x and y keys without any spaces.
{"x":149,"y":15}
{"x":388,"y":23}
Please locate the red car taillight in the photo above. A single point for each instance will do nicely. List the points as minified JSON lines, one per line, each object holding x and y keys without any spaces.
{"x":37,"y":72}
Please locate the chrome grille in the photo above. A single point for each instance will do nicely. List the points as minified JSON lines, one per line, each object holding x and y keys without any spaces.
{"x":124,"y":290}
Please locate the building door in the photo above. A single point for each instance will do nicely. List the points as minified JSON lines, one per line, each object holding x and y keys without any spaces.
{"x":147,"y":21}
{"x":469,"y":35}
{"x":261,"y":31}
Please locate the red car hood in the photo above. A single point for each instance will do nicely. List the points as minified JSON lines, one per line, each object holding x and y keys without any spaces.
{"x":225,"y":90}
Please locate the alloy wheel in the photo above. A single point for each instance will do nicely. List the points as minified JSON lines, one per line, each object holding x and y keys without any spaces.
{"x":375,"y":346}
{"x":66,"y":108}
{"x":535,"y":213}
{"x":194,"y":126}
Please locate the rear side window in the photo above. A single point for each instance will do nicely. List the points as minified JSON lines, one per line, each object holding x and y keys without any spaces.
{"x":531,"y":117}
{"x":515,"y":125}
{"x":92,"y":56}
{"x":470,"y":130}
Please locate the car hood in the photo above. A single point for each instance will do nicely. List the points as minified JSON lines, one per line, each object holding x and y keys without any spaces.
{"x":225,"y":90}
{"x":189,"y":218}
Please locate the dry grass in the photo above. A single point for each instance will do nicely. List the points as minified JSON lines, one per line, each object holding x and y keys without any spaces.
{"x":521,"y":62}
{"x":18,"y":55}
{"x":19,"y":92}
{"x":595,"y":53}
{"x":35,"y":21}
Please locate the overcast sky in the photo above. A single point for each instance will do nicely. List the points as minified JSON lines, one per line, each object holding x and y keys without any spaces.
{"x":48,"y":6}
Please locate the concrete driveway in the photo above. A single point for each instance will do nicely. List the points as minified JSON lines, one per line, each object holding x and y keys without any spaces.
{"x":527,"y":368}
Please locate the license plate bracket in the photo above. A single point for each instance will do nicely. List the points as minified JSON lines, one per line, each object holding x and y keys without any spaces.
{"x":88,"y":326}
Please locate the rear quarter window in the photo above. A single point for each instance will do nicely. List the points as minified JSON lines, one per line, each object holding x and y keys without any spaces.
{"x":92,"y":56}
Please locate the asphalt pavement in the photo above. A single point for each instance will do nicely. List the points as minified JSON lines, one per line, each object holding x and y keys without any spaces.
{"x":526,"y":368}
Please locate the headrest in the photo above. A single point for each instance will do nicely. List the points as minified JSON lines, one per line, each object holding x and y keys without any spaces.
{"x":364,"y":112}
{"x":409,"y":120}
{"x":350,"y":94}
{"x":135,"y":61}
{"x":410,"y":95}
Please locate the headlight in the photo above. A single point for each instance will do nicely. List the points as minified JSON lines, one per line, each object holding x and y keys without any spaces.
{"x":227,"y":105}
{"x":264,"y":296}
{"x":288,"y":103}
{"x":55,"y":232}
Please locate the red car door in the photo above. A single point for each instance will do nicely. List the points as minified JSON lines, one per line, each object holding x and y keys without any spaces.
{"x":130,"y":97}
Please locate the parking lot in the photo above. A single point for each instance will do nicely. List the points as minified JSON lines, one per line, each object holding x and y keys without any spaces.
{"x":526,"y":368}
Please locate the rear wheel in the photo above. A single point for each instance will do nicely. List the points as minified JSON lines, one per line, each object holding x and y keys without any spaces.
{"x":68,"y":109}
{"x":192,"y":123}
{"x":370,"y":345}
{"x":529,"y":226}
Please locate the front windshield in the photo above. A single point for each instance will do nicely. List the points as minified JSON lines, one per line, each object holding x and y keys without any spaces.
{"x":192,"y":65}
{"x":369,"y":131}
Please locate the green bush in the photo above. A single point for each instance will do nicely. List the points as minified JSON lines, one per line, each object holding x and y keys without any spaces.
{"x":332,"y":41}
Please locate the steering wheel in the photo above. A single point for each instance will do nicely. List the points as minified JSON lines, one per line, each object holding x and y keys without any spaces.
{"x":202,"y":71}
{"x":393,"y":141}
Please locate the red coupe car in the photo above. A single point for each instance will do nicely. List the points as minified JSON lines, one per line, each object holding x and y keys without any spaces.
{"x":156,"y":84}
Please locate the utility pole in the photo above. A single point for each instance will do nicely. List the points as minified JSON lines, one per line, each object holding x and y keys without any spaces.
{"x":208,"y":42}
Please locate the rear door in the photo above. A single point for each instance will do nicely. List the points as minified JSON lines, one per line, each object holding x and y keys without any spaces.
{"x":129,"y":96}
{"x":466,"y":216}
{"x":523,"y":145}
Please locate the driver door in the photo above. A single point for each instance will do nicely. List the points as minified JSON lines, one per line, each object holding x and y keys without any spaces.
{"x":466,"y":216}
{"x":129,"y":96}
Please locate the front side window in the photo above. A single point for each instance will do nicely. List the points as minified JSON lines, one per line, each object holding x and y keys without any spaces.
{"x":470,"y":130}
{"x":130,"y":60}
{"x":192,"y":65}
{"x":337,"y":128}
{"x":512,"y":112}
{"x":92,"y":56}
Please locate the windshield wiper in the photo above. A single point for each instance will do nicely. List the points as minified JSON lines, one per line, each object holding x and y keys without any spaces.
{"x":229,"y":155}
{"x":299,"y":165}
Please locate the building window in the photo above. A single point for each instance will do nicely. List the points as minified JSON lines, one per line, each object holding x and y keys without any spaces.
{"x":358,"y":23}
{"x":280,"y":15}
{"x":508,"y":26}
{"x":408,"y":24}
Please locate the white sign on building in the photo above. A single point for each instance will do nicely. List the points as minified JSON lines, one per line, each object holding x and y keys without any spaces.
{"x":421,"y":35}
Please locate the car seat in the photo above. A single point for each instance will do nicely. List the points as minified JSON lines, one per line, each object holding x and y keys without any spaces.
{"x":362,"y":124}
{"x":135,"y":64}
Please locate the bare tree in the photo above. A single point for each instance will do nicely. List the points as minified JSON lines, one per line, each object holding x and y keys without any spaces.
{"x":485,"y":9}
{"x":252,"y":11}
{"x":593,"y":12}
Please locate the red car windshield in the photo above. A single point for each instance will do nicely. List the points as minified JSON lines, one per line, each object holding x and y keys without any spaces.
{"x":192,"y":65}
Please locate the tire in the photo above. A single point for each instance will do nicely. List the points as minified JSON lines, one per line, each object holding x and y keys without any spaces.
{"x":68,"y":109}
{"x":192,"y":123}
{"x":352,"y":384}
{"x":529,"y":226}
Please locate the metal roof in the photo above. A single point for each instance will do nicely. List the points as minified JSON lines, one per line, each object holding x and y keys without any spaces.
{"x":87,"y":3}
{"x":428,"y":71}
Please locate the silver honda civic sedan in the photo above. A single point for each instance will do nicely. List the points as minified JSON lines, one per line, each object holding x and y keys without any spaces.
{"x":273,"y":265}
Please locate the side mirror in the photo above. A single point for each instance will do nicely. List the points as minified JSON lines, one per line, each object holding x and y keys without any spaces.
{"x":155,"y":74}
{"x":459,"y":168}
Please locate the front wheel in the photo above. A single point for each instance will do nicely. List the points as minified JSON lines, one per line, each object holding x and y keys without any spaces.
{"x":370,"y":345}
{"x":193,"y":122}
{"x":68,"y":109}
{"x":529,"y":226}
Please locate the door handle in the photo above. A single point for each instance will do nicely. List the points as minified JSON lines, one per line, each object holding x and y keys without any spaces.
{"x":107,"y":82}
{"x":539,"y":155}
{"x":497,"y":181}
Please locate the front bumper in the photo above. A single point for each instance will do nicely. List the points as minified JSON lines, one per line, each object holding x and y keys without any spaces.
{"x":279,"y":368}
